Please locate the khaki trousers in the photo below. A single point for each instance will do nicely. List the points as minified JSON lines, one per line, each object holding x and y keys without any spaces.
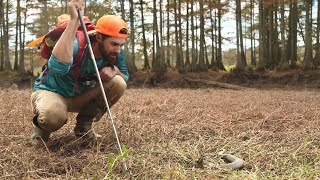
{"x":52,"y":108}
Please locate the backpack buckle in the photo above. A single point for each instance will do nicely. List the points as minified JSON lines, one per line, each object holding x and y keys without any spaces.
{"x":91,"y":83}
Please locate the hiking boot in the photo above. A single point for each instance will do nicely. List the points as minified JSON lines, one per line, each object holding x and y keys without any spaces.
{"x":99,"y":114}
{"x":39,"y":135}
{"x":86,"y":130}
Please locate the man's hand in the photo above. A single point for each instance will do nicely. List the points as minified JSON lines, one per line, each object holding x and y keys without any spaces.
{"x":107,"y":73}
{"x":63,"y":50}
{"x":74,"y":5}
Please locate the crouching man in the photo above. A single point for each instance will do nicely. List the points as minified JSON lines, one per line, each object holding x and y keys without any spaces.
{"x":65,"y":87}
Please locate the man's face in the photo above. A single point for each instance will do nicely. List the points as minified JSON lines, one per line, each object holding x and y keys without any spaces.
{"x":112,"y":46}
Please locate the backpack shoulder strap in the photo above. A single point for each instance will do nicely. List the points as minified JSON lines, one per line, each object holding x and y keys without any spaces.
{"x":82,"y":44}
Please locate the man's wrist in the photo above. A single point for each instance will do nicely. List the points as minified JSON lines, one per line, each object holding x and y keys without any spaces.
{"x":74,"y":22}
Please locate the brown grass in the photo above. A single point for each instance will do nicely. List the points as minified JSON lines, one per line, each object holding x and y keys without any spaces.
{"x":173,"y":134}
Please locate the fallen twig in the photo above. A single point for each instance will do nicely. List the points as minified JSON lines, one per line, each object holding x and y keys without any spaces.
{"x":214,"y":83}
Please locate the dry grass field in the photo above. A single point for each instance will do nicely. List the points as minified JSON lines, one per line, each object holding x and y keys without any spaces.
{"x":173,"y":134}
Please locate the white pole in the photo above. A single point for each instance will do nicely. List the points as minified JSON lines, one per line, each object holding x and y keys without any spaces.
{"x":100,"y":82}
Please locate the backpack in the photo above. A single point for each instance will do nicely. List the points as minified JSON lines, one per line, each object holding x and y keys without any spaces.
{"x":49,"y":40}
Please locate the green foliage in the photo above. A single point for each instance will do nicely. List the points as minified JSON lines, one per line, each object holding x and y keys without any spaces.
{"x":112,"y":160}
{"x":37,"y":25}
{"x":229,"y":68}
{"x":8,"y":73}
{"x":96,"y":9}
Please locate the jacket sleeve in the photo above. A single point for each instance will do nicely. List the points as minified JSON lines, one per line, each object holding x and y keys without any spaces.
{"x":121,"y":65}
{"x":58,"y":67}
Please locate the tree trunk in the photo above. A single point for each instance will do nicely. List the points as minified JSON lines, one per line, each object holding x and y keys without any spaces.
{"x":7,"y":64}
{"x":276,"y":45}
{"x":212,"y":65}
{"x":162,"y":48}
{"x":240,"y":66}
{"x":294,"y":26}
{"x":145,"y":53}
{"x":168,"y":35}
{"x":202,"y":65}
{"x":154,"y":29}
{"x":271,"y":40}
{"x":159,"y":66}
{"x":289,"y":38}
{"x":219,"y":50}
{"x":187,"y":64}
{"x":22,"y":38}
{"x":180,"y":35}
{"x":252,"y":35}
{"x":206,"y":54}
{"x":2,"y":35}
{"x":179,"y":60}
{"x":161,"y":24}
{"x":196,"y":54}
{"x":64,"y":7}
{"x":123,"y":15}
{"x":17,"y":41}
{"x":262,"y":60}
{"x":317,"y":56}
{"x":46,"y":15}
{"x":130,"y":61}
{"x":193,"y":40}
{"x":308,"y":61}
{"x":284,"y":64}
{"x":242,"y":50}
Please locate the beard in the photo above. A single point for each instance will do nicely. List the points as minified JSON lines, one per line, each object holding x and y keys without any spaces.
{"x":109,"y":57}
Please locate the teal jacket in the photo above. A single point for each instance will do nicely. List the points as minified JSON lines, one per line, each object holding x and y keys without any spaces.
{"x":61,"y":78}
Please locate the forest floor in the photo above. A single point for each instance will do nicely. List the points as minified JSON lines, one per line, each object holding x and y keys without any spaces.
{"x":174,"y":128}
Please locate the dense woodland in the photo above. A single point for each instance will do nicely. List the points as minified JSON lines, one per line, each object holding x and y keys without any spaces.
{"x":183,"y":34}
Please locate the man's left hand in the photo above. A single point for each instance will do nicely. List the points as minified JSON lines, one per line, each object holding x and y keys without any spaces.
{"x":107,"y":73}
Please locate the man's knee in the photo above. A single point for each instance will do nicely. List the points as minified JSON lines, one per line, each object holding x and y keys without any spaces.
{"x":115,"y":88}
{"x":118,"y":84}
{"x":52,"y":118}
